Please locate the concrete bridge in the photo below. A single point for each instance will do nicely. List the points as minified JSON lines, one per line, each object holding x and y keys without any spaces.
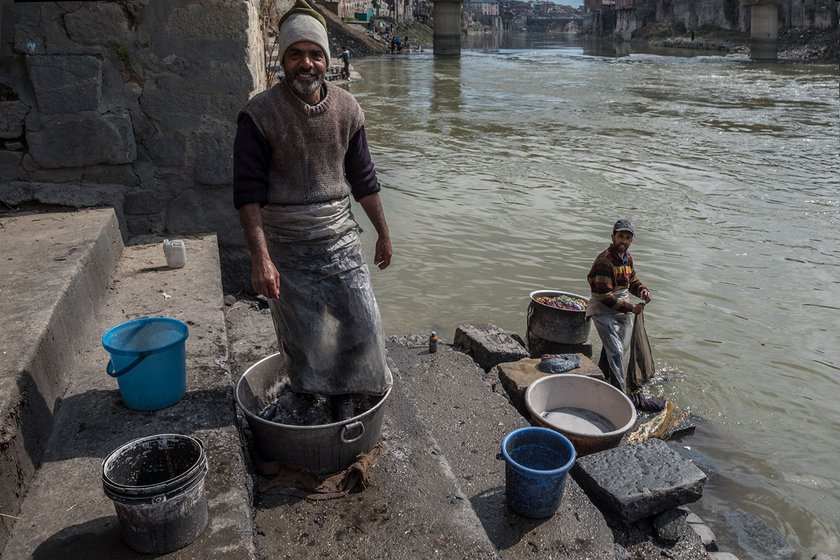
{"x":566,"y":24}
{"x":764,"y":28}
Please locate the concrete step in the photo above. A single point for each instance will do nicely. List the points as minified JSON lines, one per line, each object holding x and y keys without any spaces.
{"x":414,"y":508}
{"x":468,"y":418}
{"x":66,"y":514}
{"x":55,"y":271}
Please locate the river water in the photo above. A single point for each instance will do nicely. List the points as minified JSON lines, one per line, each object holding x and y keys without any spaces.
{"x":504,"y":170}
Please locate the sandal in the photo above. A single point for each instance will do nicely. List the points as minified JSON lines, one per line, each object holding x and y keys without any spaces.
{"x":648,"y":404}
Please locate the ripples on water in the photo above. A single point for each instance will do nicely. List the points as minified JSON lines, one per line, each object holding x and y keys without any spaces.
{"x":504,"y":170}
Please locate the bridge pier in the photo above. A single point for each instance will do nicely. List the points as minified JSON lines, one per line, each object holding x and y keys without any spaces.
{"x":764,"y":29}
{"x":446,"y":40}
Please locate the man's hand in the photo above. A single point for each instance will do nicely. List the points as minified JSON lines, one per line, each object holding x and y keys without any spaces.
{"x":384,"y":252}
{"x":264,"y":275}
{"x":638,"y":308}
{"x":373,"y":208}
{"x":266,"y":278}
{"x":645,"y":295}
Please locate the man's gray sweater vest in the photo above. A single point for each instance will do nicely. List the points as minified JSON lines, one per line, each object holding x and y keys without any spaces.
{"x":308,"y":142}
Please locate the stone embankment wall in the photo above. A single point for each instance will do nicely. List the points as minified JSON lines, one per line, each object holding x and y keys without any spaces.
{"x":130,"y":104}
{"x":723,"y":14}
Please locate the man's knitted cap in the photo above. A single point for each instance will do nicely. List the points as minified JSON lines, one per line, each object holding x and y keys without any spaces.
{"x":303,"y":23}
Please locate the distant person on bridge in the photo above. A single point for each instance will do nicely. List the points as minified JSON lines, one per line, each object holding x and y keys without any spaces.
{"x":300,"y":152}
{"x":612,"y":279}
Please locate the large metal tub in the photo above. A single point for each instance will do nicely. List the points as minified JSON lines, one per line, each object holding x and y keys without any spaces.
{"x":562,"y":326}
{"x":322,"y":449}
{"x":593,"y":414}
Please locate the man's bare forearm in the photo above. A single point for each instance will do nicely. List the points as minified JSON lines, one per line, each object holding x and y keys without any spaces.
{"x":264,"y":275}
{"x":373,"y":208}
{"x":250,"y":217}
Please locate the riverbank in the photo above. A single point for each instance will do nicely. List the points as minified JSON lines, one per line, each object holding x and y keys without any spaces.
{"x":794,"y":45}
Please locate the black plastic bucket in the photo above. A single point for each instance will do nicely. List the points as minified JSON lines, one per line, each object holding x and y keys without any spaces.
{"x":157,"y":486}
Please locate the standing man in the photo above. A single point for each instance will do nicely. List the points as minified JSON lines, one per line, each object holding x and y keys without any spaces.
{"x":345,"y":59}
{"x":612,"y":279}
{"x":300,"y":152}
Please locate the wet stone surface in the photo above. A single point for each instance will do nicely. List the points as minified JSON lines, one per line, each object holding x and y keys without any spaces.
{"x":638,"y":481}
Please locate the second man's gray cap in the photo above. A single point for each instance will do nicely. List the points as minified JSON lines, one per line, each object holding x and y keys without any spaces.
{"x":624,"y":225}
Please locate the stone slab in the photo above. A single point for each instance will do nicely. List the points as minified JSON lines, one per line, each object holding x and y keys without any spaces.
{"x":12,"y":116}
{"x":55,"y":270}
{"x":66,"y":514}
{"x":66,"y":84}
{"x":107,"y":139}
{"x":670,"y":525}
{"x":756,"y":536}
{"x":488,"y":344}
{"x":516,"y":376}
{"x":638,"y":481}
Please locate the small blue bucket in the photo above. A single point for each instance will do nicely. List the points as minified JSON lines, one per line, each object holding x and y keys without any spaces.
{"x":536,"y":463}
{"x":148,"y":359}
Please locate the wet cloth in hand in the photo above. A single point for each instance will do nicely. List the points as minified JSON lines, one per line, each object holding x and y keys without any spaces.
{"x":558,"y":363}
{"x":640,"y":366}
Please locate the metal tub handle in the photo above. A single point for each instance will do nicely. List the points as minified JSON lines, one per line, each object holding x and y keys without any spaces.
{"x":349,"y":428}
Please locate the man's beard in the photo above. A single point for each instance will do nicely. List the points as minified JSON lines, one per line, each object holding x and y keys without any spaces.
{"x":307,"y":87}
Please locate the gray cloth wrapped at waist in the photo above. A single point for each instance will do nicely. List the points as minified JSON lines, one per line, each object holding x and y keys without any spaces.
{"x":318,"y":221}
{"x":595,"y":306}
{"x":327,"y":320}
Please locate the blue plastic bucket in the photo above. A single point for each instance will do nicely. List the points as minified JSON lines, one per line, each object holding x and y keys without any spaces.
{"x":148,"y":359}
{"x":536,"y":463}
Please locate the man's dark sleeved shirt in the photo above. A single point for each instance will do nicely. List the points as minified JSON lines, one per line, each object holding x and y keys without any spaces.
{"x":252,"y":156}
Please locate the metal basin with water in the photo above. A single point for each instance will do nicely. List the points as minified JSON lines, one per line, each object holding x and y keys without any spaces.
{"x":593,"y":414}
{"x":321,"y":449}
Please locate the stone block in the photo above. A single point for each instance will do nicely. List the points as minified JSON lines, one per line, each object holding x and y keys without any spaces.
{"x":174,"y":104}
{"x":517,"y":376}
{"x":638,"y":481}
{"x":722,"y":556}
{"x":145,"y":224}
{"x":201,"y":210}
{"x":28,"y":36}
{"x":757,"y":536}
{"x":122,"y":174}
{"x":12,"y":116}
{"x":823,"y":556}
{"x":166,"y":150}
{"x":143,"y":202}
{"x":11,"y":168}
{"x":97,"y":23}
{"x":73,"y":195}
{"x":66,"y":84}
{"x":621,"y":553}
{"x":214,"y":159}
{"x":706,"y":535}
{"x":193,"y":21}
{"x":82,"y":140}
{"x":670,"y":525}
{"x":538,"y":346}
{"x":488,"y":345}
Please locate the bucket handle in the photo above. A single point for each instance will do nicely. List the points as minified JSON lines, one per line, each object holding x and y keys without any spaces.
{"x":348,"y":428}
{"x":114,"y":373}
{"x":528,"y":323}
